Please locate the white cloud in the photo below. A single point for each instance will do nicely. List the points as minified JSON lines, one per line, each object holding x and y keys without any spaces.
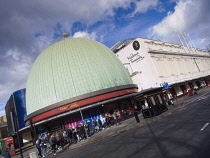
{"x":22,"y":20}
{"x":144,"y":5}
{"x":14,"y":68}
{"x":189,"y":16}
{"x":86,"y":35}
{"x":14,"y":54}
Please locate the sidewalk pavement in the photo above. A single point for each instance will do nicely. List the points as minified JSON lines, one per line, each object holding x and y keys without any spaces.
{"x":124,"y":126}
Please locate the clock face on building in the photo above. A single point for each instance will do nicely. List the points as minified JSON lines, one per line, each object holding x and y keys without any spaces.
{"x":136,"y":45}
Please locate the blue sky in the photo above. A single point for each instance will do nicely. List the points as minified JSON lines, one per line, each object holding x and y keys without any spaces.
{"x":28,"y":27}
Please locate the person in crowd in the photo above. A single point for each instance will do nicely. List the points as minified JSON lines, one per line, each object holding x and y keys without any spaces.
{"x":99,"y":123}
{"x":69,"y":135}
{"x":107,"y":122}
{"x":82,"y":132}
{"x":38,"y":146}
{"x":95,"y":125}
{"x":48,"y":140}
{"x":61,"y":139}
{"x":115,"y":115}
{"x":43,"y":147}
{"x":78,"y":129}
{"x":87,"y":128}
{"x":75,"y":139}
{"x":124,"y":114}
{"x":57,"y":140}
{"x":111,"y":119}
{"x":53,"y":142}
{"x":103,"y":122}
{"x":65,"y":136}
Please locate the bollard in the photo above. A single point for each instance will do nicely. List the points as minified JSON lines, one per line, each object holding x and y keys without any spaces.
{"x":33,"y":155}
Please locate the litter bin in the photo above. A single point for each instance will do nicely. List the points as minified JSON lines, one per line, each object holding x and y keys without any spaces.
{"x":33,"y":155}
{"x":147,"y":113}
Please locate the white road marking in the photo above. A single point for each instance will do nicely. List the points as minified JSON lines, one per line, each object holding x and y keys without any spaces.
{"x":204,"y":126}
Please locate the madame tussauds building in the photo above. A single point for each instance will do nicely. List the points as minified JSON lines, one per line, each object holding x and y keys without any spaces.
{"x":76,"y":80}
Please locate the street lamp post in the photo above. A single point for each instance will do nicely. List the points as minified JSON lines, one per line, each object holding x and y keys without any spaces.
{"x":83,"y":122}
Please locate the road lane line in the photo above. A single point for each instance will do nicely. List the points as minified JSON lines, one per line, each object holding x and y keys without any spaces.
{"x":204,"y":126}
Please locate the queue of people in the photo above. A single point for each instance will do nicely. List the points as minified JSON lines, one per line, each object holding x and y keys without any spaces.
{"x":109,"y":120}
{"x":54,"y":141}
{"x":50,"y":143}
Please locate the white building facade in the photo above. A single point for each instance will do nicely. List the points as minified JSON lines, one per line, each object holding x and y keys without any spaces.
{"x":151,"y":63}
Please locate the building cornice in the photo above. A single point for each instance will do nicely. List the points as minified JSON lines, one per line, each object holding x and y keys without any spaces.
{"x":175,"y":53}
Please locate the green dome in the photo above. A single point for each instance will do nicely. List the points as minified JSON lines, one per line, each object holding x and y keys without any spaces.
{"x":70,"y":68}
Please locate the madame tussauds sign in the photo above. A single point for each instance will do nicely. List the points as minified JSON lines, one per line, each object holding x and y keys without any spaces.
{"x":135,"y":57}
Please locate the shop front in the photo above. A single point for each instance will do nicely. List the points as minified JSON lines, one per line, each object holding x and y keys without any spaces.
{"x":114,"y":109}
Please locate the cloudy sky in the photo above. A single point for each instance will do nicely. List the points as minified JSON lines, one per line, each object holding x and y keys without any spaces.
{"x":28,"y":27}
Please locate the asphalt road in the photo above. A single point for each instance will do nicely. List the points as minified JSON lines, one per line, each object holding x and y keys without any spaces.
{"x":185,"y":133}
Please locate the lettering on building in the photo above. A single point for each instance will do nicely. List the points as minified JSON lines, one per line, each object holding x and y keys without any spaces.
{"x":135,"y":57}
{"x":67,"y":107}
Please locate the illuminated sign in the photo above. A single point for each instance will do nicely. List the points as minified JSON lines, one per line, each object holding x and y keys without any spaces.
{"x":68,"y":107}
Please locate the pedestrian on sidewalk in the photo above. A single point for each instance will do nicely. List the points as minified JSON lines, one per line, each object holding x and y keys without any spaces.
{"x":61,"y":139}
{"x":69,"y":135}
{"x":57,"y":140}
{"x":103,"y":122}
{"x":95,"y":125}
{"x":78,"y":132}
{"x":87,"y":128}
{"x":116,"y":116}
{"x":48,"y":141}
{"x":38,"y":146}
{"x":82,"y":132}
{"x":43,"y":148}
{"x":100,"y":124}
{"x":65,"y":137}
{"x":108,"y":122}
{"x":53,"y":142}
{"x":75,"y":138}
